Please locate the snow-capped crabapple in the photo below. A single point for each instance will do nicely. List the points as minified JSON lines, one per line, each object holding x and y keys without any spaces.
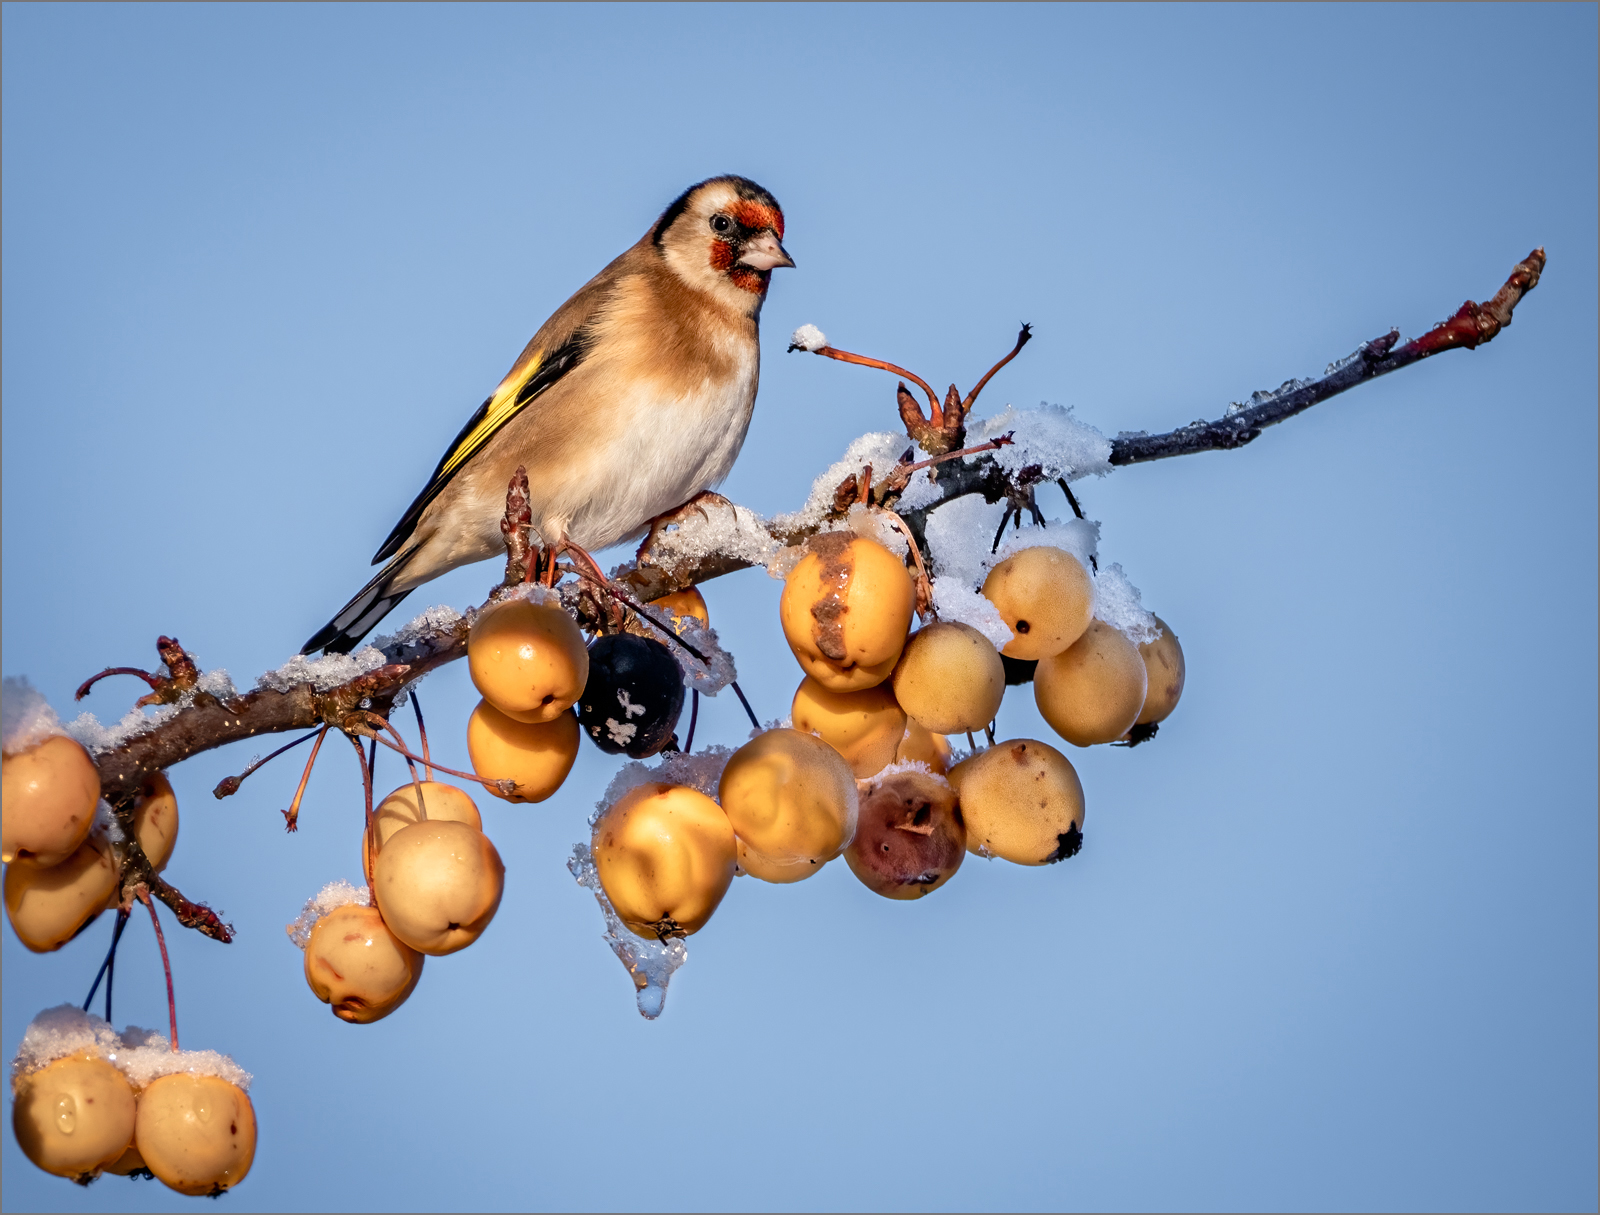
{"x":688,"y":602}
{"x":438,"y":884}
{"x":790,"y":797}
{"x":779,"y":873}
{"x":526,"y":659}
{"x":950,"y":678}
{"x":1163,"y":664}
{"x":74,"y":1116}
{"x":910,"y":837}
{"x":536,"y":757}
{"x":197,"y":1133}
{"x":48,"y":795}
{"x":864,"y":727}
{"x":845,"y":609}
{"x":924,"y":746}
{"x":1093,"y":690}
{"x":665,"y":857}
{"x":48,"y":907}
{"x":1046,"y":598}
{"x":357,"y":965}
{"x":1022,"y":801}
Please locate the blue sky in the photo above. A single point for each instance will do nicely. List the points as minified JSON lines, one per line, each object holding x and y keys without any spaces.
{"x":1331,"y":942}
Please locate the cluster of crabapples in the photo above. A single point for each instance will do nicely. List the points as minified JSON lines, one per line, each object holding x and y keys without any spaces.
{"x":436,"y":879}
{"x":81,"y":1114}
{"x":865,"y":771}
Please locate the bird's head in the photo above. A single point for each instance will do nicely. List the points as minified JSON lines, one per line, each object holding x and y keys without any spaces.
{"x":724,"y":236}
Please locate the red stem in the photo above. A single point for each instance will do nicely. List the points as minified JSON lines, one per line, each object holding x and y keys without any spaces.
{"x":422,"y":730}
{"x":166,"y":965}
{"x":861,"y":360}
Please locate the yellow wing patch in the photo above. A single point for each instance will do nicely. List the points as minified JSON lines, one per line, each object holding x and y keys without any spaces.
{"x":501,"y":407}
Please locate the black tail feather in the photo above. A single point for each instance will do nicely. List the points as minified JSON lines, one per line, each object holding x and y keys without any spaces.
{"x":358,"y":617}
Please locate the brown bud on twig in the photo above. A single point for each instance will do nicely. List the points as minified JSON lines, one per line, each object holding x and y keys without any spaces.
{"x":515,"y":526}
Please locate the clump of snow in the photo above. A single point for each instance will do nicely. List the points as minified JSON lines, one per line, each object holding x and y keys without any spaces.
{"x":26,"y":718}
{"x":1048,"y":436}
{"x":217,"y":682}
{"x":1117,"y":602}
{"x":86,"y":727}
{"x":876,"y":525}
{"x":904,"y":765}
{"x":330,"y":898}
{"x":61,"y":1031}
{"x":959,"y":534}
{"x":419,"y":631}
{"x":146,"y":1056}
{"x":960,"y":604}
{"x":701,"y":771}
{"x":106,"y":826}
{"x":650,"y":964}
{"x":1080,"y":537}
{"x":807,"y":337}
{"x":711,"y":529}
{"x":880,"y":449}
{"x":324,"y":673}
{"x":710,"y":676}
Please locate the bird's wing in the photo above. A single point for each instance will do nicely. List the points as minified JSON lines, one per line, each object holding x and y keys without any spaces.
{"x":513,"y":395}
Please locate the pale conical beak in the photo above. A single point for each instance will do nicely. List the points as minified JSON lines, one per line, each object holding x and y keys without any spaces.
{"x":765,"y":253}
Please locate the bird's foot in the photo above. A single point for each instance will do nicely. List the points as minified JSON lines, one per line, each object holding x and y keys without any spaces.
{"x":697,"y":503}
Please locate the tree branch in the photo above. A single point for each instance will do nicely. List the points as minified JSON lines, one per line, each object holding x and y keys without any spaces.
{"x":203,"y":722}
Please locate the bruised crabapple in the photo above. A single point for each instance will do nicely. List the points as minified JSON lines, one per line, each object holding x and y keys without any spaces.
{"x":790,"y":797}
{"x":845,"y":609}
{"x":196,"y":1132}
{"x":74,"y":1116}
{"x":48,"y":907}
{"x":1163,"y":664}
{"x":536,"y":758}
{"x":1046,"y":598}
{"x":1022,"y":801}
{"x":910,"y":837}
{"x":1093,"y":690}
{"x":950,"y":678}
{"x":634,"y":694}
{"x":48,"y":795}
{"x":357,"y":965}
{"x":526,"y":659}
{"x":864,"y":727}
{"x":665,"y":856}
{"x":924,"y":746}
{"x":438,"y":884}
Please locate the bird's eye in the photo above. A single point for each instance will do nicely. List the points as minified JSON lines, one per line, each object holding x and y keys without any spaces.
{"x":721,"y":223}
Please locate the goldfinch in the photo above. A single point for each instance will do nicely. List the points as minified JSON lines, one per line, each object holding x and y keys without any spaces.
{"x":631,"y":400}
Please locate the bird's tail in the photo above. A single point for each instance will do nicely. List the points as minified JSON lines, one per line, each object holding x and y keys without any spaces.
{"x":357,"y":618}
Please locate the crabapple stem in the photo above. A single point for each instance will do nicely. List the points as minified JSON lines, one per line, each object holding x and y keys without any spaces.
{"x":1022,"y":340}
{"x":861,"y":360}
{"x":737,"y":691}
{"x":422,"y":731}
{"x":83,"y":688}
{"x":482,"y":780}
{"x":410,"y":762}
{"x":166,"y":964}
{"x":107,"y":969}
{"x":291,"y":816}
{"x":229,"y":785}
{"x":694,"y":717}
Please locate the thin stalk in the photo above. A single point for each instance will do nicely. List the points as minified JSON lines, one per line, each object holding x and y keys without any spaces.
{"x":737,"y":691}
{"x":422,"y":732}
{"x":166,"y":965}
{"x":694,"y":717}
{"x":107,"y":967}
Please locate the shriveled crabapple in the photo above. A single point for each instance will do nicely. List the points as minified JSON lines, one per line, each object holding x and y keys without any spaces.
{"x":665,"y":857}
{"x":910,"y":837}
{"x":1163,"y":664}
{"x":634,"y":694}
{"x":1023,"y":802}
{"x":438,"y":884}
{"x":845,"y":609}
{"x":74,"y":1116}
{"x":196,"y":1132}
{"x":950,"y":678}
{"x":526,"y":659}
{"x":790,"y":797}
{"x":48,"y":907}
{"x":1093,"y":690}
{"x":536,"y":758}
{"x":357,"y":965}
{"x":864,"y":727}
{"x":48,"y":795}
{"x":1046,"y":598}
